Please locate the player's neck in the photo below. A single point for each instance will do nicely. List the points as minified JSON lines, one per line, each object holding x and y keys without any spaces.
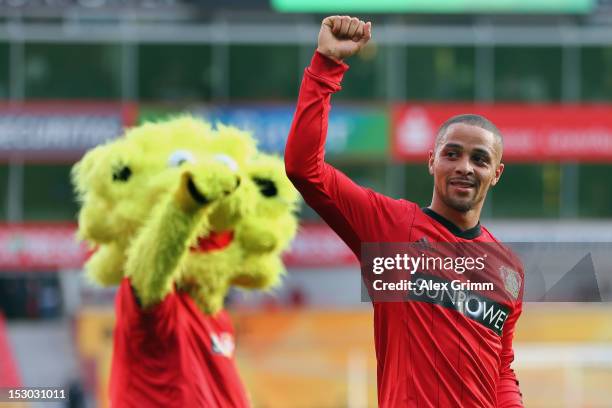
{"x":463,"y":220}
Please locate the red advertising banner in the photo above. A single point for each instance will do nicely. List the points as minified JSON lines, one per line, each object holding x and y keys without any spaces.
{"x":25,"y":247}
{"x":532,"y":133}
{"x":46,"y":247}
{"x":316,"y":245}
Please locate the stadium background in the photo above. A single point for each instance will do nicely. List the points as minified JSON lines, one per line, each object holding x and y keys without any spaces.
{"x":73,"y":73}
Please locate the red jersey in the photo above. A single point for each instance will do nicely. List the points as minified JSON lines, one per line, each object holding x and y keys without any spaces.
{"x":428,"y":355}
{"x":172,"y":355}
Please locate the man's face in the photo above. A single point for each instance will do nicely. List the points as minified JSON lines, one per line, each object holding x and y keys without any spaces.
{"x":464,"y":165}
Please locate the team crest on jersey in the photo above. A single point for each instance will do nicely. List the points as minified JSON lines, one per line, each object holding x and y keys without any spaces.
{"x":222,"y":344}
{"x":511,"y":279}
{"x":423,"y":244}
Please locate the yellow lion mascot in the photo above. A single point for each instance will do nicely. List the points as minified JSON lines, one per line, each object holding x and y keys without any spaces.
{"x":179,"y":212}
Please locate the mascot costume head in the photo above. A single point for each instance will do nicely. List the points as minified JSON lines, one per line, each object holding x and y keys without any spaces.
{"x":178,"y":209}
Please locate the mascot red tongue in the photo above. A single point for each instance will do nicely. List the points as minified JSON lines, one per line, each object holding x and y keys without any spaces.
{"x":214,"y":241}
{"x":178,"y":218}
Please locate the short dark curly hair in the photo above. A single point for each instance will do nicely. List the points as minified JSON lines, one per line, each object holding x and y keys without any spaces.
{"x":474,"y":120}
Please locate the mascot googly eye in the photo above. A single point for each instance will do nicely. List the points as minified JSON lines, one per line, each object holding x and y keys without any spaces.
{"x":121,"y":173}
{"x":228,"y":161}
{"x":267,"y":187}
{"x":268,"y":173}
{"x":179,"y":157}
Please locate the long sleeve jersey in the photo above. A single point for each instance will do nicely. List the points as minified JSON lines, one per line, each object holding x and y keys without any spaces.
{"x":428,"y":354}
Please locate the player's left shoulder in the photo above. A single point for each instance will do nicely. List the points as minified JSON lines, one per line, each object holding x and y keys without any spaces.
{"x":504,"y":249}
{"x":508,"y":266}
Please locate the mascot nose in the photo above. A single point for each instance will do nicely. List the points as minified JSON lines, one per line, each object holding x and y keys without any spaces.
{"x":238,"y":181}
{"x":195,"y":193}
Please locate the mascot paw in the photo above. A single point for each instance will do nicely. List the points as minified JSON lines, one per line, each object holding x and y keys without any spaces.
{"x":256,"y":239}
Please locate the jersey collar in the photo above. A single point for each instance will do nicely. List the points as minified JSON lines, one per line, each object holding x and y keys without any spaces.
{"x":471,"y":233}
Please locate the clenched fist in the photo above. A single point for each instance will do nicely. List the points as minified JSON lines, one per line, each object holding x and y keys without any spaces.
{"x":343,"y":36}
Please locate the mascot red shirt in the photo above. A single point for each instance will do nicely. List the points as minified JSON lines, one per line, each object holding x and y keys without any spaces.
{"x":173,"y":355}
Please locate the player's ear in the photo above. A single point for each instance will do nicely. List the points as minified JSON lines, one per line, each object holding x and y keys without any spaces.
{"x":498,"y":172}
{"x":430,"y":162}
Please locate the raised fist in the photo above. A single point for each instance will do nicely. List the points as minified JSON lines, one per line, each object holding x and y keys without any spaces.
{"x":343,"y":36}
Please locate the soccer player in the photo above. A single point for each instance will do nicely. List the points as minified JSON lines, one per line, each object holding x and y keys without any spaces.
{"x":428,"y":355}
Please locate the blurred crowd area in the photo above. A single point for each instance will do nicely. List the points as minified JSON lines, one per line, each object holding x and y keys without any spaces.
{"x":74,"y":73}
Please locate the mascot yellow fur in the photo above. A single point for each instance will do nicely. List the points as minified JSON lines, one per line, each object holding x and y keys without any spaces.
{"x":179,"y":212}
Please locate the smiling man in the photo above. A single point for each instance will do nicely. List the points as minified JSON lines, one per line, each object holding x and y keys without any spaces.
{"x":429,"y":353}
{"x":465,"y":163}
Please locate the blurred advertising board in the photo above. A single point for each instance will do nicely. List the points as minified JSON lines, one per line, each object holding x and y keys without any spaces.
{"x":438,"y":6}
{"x":49,"y":246}
{"x":353,"y":130}
{"x":59,"y":131}
{"x":316,"y":245}
{"x":108,"y":8}
{"x":324,"y":357}
{"x":31,"y":247}
{"x":532,"y":133}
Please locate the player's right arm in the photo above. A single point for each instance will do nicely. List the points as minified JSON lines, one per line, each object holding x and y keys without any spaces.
{"x":351,"y":210}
